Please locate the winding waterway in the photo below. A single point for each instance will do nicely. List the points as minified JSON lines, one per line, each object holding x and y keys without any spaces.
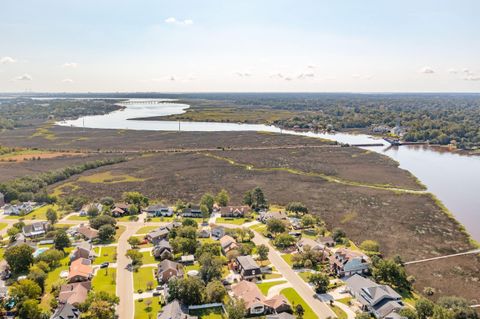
{"x":454,"y":178}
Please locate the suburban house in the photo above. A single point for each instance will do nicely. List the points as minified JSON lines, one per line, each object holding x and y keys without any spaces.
{"x":380,"y":300}
{"x":159,"y":210}
{"x":75,"y":293}
{"x":265,"y":216}
{"x":87,"y":232}
{"x":314,"y":245}
{"x":36,"y":229}
{"x":80,"y":270}
{"x":82,"y":250}
{"x":247,"y":267}
{"x":255,"y":301}
{"x":168,"y":269}
{"x":20,"y":209}
{"x":228,"y":243}
{"x":345,"y":262}
{"x":163,"y":250}
{"x":2,"y":199}
{"x":326,"y":241}
{"x":283,"y":315}
{"x":204,"y":233}
{"x":157,"y":235}
{"x":193,"y":212}
{"x":174,"y":310}
{"x":66,"y":311}
{"x":87,"y":207}
{"x":218,"y":232}
{"x":119,"y":210}
{"x":234,"y":211}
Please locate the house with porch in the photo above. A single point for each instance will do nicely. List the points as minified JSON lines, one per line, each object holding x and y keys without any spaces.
{"x":346,"y":262}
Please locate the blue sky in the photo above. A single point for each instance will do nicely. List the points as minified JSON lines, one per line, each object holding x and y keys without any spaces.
{"x":204,"y":45}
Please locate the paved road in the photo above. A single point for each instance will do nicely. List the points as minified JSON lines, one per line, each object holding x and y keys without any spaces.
{"x":126,"y":308}
{"x":475,"y":251}
{"x":303,"y":289}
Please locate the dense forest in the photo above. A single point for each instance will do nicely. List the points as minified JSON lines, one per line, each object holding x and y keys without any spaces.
{"x":22,"y":111}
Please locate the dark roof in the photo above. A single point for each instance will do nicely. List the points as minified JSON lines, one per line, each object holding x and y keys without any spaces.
{"x":247,"y":262}
{"x":168,"y":264}
{"x":35,"y":228}
{"x":66,"y":311}
{"x":174,"y":310}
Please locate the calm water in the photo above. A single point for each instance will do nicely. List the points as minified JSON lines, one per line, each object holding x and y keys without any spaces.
{"x":453,"y":178}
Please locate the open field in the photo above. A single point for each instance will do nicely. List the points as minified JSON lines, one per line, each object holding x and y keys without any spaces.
{"x":30,"y":155}
{"x":412,"y":225}
{"x":11,"y":170}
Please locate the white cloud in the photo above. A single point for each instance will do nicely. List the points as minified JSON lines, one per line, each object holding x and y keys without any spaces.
{"x":72,"y":65}
{"x":277,"y":76}
{"x":174,"y":21}
{"x":243,"y":74}
{"x":287,"y":78}
{"x":24,"y":77}
{"x":427,"y":70}
{"x":305,"y":76}
{"x":67,"y":81}
{"x":453,"y":71}
{"x":7,"y":60}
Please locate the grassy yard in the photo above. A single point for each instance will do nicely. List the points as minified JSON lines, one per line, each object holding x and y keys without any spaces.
{"x":119,"y":232}
{"x":295,"y":299}
{"x":3,"y":225}
{"x":52,"y":277}
{"x":273,"y":276}
{"x":195,"y":266}
{"x":234,"y":221}
{"x":77,"y":217}
{"x":39,"y":213}
{"x":258,"y":227}
{"x":148,"y":258}
{"x":105,"y":254}
{"x":339,"y":312}
{"x":162,"y":219}
{"x":105,"y":280}
{"x":146,"y":229}
{"x":142,"y":277}
{"x":265,"y":287}
{"x":213,"y":313}
{"x":305,"y":275}
{"x":345,"y":300}
{"x":142,"y":311}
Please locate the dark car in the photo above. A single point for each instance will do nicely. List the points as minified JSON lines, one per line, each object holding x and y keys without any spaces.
{"x":104,"y":265}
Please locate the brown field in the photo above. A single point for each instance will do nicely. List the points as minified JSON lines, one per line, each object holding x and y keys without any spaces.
{"x":37,"y":156}
{"x":11,"y":170}
{"x":411,"y":225}
{"x":457,"y":276}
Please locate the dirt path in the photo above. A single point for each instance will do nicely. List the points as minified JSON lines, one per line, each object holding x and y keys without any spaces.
{"x":475,"y":251}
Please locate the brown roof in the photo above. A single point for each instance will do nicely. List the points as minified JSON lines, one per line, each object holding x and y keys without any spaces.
{"x":80,"y":267}
{"x":248,"y":292}
{"x":277,"y":301}
{"x":88,"y":232}
{"x":345,"y":255}
{"x":226,"y":241}
{"x":74,"y":293}
{"x":240,"y":210}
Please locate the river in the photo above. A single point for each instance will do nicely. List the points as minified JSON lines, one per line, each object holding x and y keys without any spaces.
{"x":454,"y":178}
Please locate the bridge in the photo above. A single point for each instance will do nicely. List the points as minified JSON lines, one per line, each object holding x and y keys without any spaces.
{"x":143,"y":102}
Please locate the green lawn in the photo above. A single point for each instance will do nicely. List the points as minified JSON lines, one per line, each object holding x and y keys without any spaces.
{"x":265,"y":287}
{"x":288,"y":259}
{"x":52,"y":277}
{"x":339,"y":312}
{"x":148,"y":258}
{"x":3,"y":225}
{"x":195,"y":266}
{"x":258,"y":227}
{"x":38,"y":213}
{"x":142,"y":311}
{"x":213,"y":313}
{"x":105,"y":254}
{"x":304,"y":275}
{"x":146,"y":229}
{"x":105,"y":280}
{"x":142,"y":277}
{"x":162,"y":219}
{"x":273,"y":276}
{"x":345,"y":300}
{"x":295,"y":299}
{"x":119,"y":232}
{"x":234,"y":221}
{"x":127,"y":218}
{"x":77,"y":217}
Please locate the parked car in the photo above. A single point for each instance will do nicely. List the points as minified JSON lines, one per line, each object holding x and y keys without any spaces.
{"x":104,"y":265}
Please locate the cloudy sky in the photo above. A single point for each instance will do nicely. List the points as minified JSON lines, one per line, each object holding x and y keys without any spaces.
{"x":248,"y":45}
